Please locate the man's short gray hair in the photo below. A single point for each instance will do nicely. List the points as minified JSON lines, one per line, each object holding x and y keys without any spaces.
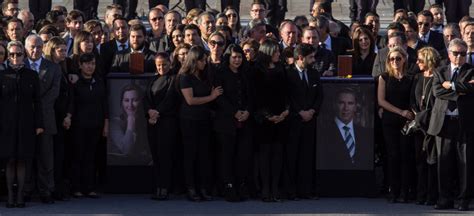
{"x":33,"y":37}
{"x":457,"y":42}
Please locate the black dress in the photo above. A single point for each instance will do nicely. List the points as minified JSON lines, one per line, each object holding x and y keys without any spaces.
{"x":195,"y":123}
{"x":161,"y":95}
{"x":271,"y":99}
{"x":363,"y":67}
{"x":400,"y":152}
{"x":19,"y":100}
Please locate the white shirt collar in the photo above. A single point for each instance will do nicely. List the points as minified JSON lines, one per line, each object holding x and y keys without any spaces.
{"x":327,"y":42}
{"x":38,"y":63}
{"x":118,"y":45}
{"x":427,"y":36}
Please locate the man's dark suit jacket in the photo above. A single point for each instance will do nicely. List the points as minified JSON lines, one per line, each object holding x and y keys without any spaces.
{"x":121,"y":62}
{"x":332,"y":153}
{"x":107,"y":53}
{"x":325,"y":61}
{"x":379,"y":63}
{"x":436,"y":40}
{"x":301,"y":97}
{"x":50,"y":81}
{"x":340,"y":46}
{"x":443,"y":96}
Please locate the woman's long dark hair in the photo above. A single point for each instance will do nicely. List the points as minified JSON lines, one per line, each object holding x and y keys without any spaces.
{"x":189,"y":66}
{"x":355,"y":41}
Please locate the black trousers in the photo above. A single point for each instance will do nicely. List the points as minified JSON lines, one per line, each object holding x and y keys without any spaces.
{"x":271,"y":139}
{"x":234,"y":3}
{"x":39,"y":8}
{"x":190,"y":4}
{"x":154,"y":3}
{"x":162,"y":138}
{"x":400,"y":159}
{"x":300,"y":157}
{"x":453,"y":160}
{"x":197,"y":161}
{"x":89,"y":8}
{"x":456,"y":9}
{"x":61,"y":139}
{"x":427,"y":179}
{"x":84,"y":155}
{"x":129,"y":8}
{"x":236,"y":155}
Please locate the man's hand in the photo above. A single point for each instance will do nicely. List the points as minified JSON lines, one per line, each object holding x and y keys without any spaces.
{"x":447,"y":85}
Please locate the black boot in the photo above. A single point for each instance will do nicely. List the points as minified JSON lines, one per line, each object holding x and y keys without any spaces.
{"x":230,"y":193}
{"x":193,"y":196}
{"x":205,"y":195}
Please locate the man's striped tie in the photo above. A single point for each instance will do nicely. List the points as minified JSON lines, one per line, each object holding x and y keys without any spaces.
{"x":349,"y":141}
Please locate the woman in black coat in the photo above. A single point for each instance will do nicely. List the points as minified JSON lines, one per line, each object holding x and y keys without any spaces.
{"x":20,"y":122}
{"x":89,"y":124}
{"x":271,"y":110}
{"x":232,"y":123}
{"x":161,"y":108}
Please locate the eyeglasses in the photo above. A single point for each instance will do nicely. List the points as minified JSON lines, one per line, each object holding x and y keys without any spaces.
{"x":231,"y":15}
{"x":13,"y":54}
{"x":154,"y":19}
{"x":420,"y":61}
{"x":214,"y":43}
{"x":424,"y":24}
{"x":248,"y":50}
{"x":396,"y":59}
{"x":459,"y":54}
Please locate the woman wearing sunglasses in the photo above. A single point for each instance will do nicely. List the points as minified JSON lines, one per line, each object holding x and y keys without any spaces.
{"x":21,"y":123}
{"x":393,"y":96}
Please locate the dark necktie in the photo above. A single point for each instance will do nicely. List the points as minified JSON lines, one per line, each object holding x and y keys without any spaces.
{"x":304,"y":79}
{"x":349,"y":141}
{"x":452,"y":105}
{"x":323,"y":45}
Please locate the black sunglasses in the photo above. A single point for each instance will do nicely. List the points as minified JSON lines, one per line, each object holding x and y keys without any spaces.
{"x":156,"y":18}
{"x":456,"y":53}
{"x":218,"y":43}
{"x":397,"y":58}
{"x":13,"y":54}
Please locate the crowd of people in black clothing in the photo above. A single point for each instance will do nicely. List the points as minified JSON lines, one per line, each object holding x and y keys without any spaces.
{"x":234,"y":107}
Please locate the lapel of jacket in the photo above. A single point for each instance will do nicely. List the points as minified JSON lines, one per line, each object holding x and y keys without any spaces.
{"x":43,"y":68}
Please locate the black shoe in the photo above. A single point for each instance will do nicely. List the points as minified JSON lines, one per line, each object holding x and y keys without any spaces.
{"x":442,"y":206}
{"x":276,"y":199}
{"x":77,"y":195}
{"x":420,"y":202}
{"x":230,"y":193}
{"x":93,"y":195}
{"x":163,"y":194}
{"x":463,"y":205}
{"x":193,"y":196}
{"x":267,"y":199}
{"x":20,"y":205}
{"x":27,"y":198}
{"x":430,"y":202}
{"x":402,"y":200}
{"x":47,"y":199}
{"x":10,"y":205}
{"x":293,"y":197}
{"x":392,"y":200}
{"x":205,"y":196}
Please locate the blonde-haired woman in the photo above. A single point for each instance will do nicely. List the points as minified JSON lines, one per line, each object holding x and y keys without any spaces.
{"x":393,"y":96}
{"x":422,"y":100}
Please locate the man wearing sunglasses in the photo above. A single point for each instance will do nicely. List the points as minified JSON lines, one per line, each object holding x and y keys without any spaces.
{"x":451,"y":123}
{"x":157,"y":34}
{"x":432,"y":38}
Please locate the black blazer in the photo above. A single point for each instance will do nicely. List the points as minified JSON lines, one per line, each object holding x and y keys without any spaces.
{"x":237,"y":96}
{"x":165,"y":97}
{"x":333,"y":153}
{"x":121,"y":63}
{"x":436,"y":40}
{"x":443,"y":96}
{"x":340,"y":46}
{"x":107,"y":53}
{"x":302,"y":97}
